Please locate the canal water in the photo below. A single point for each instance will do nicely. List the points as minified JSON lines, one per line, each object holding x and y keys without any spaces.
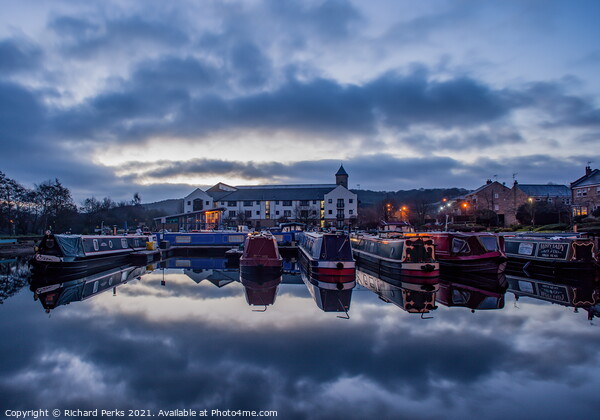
{"x":189,"y":335}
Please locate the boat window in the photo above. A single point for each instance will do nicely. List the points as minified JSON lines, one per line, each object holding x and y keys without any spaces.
{"x":123,"y":243}
{"x":95,"y":290}
{"x":460,"y":296}
{"x":96,"y":246}
{"x":460,"y":247}
{"x":490,"y":302}
{"x":489,"y":243}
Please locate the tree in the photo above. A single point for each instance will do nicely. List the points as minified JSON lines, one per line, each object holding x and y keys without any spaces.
{"x":57,"y":207}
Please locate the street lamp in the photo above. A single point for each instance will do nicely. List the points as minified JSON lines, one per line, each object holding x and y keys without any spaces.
{"x":532,"y":211}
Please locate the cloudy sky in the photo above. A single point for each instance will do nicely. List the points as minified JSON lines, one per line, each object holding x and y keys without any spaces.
{"x":117,"y":97}
{"x":196,"y":346}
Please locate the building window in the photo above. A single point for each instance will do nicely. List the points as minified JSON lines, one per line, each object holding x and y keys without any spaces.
{"x":247,"y":203}
{"x":257,"y":213}
{"x":351,"y":211}
{"x":277,"y":213}
{"x":232,"y":203}
{"x":495,"y":195}
{"x":330,"y":212}
{"x":232,"y":213}
{"x":351,"y":200}
{"x":496,"y":207}
{"x":330,"y":200}
{"x":277,"y":202}
{"x":287,"y":213}
{"x":340,"y":202}
{"x":303,"y":213}
{"x":189,"y":203}
{"x":248,"y":213}
{"x":287,"y":203}
{"x":222,"y":203}
{"x":314,"y":212}
{"x":304,"y":202}
{"x":315,"y":201}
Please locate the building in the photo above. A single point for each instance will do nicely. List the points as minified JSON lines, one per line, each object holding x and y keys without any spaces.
{"x":322,"y":205}
{"x":551,"y":193}
{"x":496,"y":197}
{"x":585,"y":193}
{"x":505,"y":202}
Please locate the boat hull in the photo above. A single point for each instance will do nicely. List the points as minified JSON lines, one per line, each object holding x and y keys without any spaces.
{"x":390,"y":268}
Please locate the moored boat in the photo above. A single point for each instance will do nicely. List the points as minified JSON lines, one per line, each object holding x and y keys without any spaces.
{"x":565,"y":256}
{"x":472,"y":252}
{"x":260,"y":257}
{"x":327,"y":257}
{"x":82,"y":255}
{"x":408,"y":256}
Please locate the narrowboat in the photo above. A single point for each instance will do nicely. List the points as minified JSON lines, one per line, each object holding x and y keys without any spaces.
{"x":82,"y":255}
{"x":260,"y":290}
{"x":560,"y":256}
{"x":404,"y":256}
{"x":417,"y":296}
{"x":329,"y":296}
{"x":472,"y":252}
{"x":261,"y":257}
{"x":474,"y":291}
{"x":327,"y":257}
{"x":585,"y":294}
{"x":64,"y":290}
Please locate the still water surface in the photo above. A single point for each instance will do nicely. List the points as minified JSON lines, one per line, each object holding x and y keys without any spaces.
{"x":185,"y":337}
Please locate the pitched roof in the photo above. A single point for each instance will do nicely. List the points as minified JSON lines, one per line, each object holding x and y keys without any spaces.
{"x":545,"y":190}
{"x":341,"y":171}
{"x":276,"y":192}
{"x":591,"y":179}
{"x":484,"y":186}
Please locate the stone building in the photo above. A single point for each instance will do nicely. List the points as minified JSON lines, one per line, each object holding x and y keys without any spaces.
{"x":585,"y":192}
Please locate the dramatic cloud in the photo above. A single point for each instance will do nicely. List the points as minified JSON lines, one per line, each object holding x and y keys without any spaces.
{"x":205,"y":346}
{"x":255,"y":90}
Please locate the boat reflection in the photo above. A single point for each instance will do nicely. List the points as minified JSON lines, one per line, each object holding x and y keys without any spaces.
{"x":473,"y":291}
{"x":53,"y":292}
{"x":413,"y":295}
{"x":330,"y":293}
{"x":584,"y":294}
{"x":260,"y":287}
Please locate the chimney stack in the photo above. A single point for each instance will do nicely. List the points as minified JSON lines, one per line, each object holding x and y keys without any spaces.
{"x":588,"y":170}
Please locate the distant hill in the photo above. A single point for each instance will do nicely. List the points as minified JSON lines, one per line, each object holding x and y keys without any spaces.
{"x":369,"y":198}
{"x":166,"y":207}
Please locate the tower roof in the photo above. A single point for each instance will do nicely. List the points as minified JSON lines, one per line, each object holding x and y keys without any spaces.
{"x":341,"y":171}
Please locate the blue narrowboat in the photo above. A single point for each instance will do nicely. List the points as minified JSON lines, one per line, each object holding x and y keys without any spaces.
{"x":81,"y":255}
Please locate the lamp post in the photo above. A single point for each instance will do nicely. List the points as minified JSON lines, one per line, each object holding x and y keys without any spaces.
{"x":532,"y":208}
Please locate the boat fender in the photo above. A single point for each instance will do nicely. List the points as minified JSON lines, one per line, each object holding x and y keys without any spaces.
{"x":339,"y":265}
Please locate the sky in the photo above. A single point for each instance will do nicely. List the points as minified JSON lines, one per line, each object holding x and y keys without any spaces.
{"x":196,"y":346}
{"x":118,"y":97}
